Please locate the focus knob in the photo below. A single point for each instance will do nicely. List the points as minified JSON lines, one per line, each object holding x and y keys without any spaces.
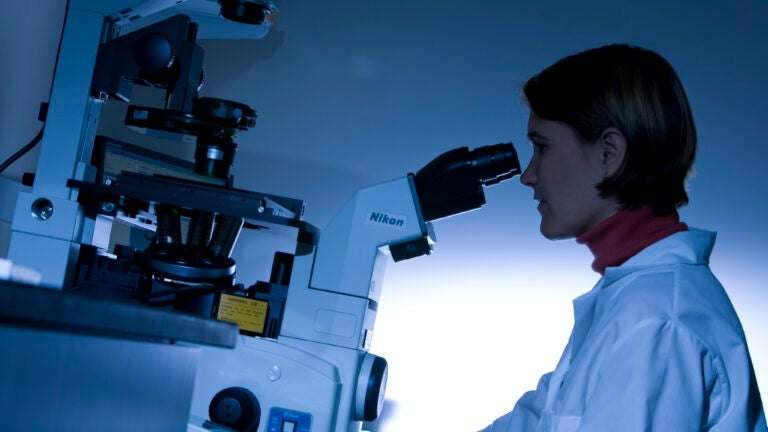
{"x":371,"y":386}
{"x":236,"y":408}
{"x":153,"y":53}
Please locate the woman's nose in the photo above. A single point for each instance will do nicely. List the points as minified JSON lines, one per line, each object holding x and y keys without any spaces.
{"x":528,"y":178}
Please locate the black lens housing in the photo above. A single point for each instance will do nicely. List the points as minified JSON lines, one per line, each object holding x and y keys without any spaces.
{"x":244,"y":11}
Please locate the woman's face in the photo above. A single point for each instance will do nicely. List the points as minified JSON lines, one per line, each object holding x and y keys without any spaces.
{"x":563,"y":173}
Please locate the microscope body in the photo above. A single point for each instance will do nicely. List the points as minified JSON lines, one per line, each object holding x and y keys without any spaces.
{"x":320,"y":362}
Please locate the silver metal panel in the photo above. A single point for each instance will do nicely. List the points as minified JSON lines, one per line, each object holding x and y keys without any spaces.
{"x":29,"y":306}
{"x":71,"y":112}
{"x":65,"y":382}
{"x":73,"y":363}
{"x":51,"y":257}
{"x":61,"y":147}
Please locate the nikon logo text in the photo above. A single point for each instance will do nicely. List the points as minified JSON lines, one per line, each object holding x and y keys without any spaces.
{"x":386,"y":219}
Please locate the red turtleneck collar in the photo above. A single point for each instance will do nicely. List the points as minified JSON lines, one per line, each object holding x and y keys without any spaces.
{"x":626,"y":233}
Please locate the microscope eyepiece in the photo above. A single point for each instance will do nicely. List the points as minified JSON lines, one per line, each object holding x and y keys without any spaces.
{"x":495,"y":163}
{"x":453,"y":182}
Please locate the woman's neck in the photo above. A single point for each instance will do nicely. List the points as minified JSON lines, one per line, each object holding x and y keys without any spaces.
{"x":624,"y":234}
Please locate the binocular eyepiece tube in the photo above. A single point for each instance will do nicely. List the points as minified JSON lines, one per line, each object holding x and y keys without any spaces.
{"x":453,"y":182}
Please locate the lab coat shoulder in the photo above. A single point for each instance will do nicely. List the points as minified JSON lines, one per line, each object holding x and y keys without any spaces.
{"x":685,"y":296}
{"x":671,"y":281}
{"x":667,"y":319}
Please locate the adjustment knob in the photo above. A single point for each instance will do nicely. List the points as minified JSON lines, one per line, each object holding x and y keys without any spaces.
{"x":236,"y":408}
{"x":371,"y":385}
{"x":153,"y":53}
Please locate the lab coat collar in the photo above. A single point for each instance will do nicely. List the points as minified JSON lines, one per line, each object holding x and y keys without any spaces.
{"x":686,"y":247}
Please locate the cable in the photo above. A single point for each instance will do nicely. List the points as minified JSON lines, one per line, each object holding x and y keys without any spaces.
{"x":24,"y":150}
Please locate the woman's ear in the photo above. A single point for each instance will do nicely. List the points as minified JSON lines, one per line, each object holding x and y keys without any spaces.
{"x":613,"y":145}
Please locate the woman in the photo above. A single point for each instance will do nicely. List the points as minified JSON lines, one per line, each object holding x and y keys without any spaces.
{"x":656,"y":345}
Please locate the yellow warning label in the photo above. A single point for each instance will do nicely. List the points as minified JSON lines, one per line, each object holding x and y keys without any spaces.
{"x":249,"y":314}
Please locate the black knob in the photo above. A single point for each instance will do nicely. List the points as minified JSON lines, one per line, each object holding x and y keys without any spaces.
{"x":153,"y":53}
{"x":236,"y":408}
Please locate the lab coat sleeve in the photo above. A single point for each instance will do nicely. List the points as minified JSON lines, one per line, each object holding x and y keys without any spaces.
{"x":656,"y":376}
{"x":527,"y":411}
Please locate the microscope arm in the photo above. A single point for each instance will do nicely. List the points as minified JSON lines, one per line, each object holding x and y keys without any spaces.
{"x":395,"y":216}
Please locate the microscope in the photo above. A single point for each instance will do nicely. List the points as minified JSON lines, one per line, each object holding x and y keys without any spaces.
{"x":318,"y":373}
{"x":302,"y":359}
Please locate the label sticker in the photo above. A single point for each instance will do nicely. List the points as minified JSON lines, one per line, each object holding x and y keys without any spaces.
{"x":249,"y":314}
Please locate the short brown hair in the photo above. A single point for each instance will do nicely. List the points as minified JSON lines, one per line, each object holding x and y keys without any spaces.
{"x":638,"y":92}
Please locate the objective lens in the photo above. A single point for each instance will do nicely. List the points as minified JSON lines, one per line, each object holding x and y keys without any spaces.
{"x":225,"y":235}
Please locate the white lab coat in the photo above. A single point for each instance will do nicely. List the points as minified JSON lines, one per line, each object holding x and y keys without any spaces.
{"x":656,"y":346}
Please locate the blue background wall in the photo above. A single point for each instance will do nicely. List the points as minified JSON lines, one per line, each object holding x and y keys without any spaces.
{"x":351,"y":93}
